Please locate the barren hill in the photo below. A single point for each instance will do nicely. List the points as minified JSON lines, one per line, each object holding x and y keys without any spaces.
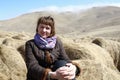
{"x":96,"y":21}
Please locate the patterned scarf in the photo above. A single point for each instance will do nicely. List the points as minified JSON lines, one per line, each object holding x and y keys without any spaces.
{"x":47,"y":43}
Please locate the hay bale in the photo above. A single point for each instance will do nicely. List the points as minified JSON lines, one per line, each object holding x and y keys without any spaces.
{"x":88,"y":51}
{"x":3,"y":77}
{"x":13,"y":42}
{"x":21,"y":36}
{"x":4,"y":71}
{"x":21,"y":50}
{"x":75,"y":52}
{"x":13,"y":62}
{"x":93,"y":70}
{"x":113,"y":47}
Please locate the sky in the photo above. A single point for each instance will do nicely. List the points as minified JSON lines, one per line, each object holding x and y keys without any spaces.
{"x":13,"y":8}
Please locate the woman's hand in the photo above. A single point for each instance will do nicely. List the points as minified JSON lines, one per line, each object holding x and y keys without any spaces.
{"x":71,"y":71}
{"x":66,"y":72}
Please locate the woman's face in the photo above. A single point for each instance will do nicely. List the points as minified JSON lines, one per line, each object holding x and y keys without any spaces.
{"x":44,"y":30}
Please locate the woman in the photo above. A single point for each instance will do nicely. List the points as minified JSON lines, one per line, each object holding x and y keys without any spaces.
{"x":46,"y":58}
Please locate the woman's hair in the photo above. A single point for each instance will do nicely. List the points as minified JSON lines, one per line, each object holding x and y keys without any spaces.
{"x":47,"y":20}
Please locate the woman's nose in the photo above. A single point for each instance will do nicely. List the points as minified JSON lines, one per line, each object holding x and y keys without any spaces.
{"x":44,"y":29}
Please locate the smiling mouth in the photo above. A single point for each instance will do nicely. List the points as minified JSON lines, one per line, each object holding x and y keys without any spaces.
{"x":44,"y":34}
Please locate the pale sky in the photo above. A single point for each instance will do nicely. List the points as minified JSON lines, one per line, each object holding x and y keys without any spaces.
{"x":12,"y":8}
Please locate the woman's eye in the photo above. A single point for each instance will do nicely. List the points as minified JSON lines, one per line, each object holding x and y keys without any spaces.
{"x":47,"y":28}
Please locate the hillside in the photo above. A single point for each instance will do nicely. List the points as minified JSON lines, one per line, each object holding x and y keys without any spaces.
{"x":96,"y":21}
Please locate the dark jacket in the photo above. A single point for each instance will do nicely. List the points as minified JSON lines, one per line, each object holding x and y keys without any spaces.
{"x":36,"y":64}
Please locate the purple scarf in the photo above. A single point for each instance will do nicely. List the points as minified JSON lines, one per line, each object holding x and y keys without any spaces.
{"x":47,"y":43}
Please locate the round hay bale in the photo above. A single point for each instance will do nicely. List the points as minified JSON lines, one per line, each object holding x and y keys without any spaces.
{"x":13,"y":42}
{"x":113,"y":47}
{"x":14,"y":62}
{"x":3,"y":77}
{"x":21,"y":50}
{"x":85,"y":51}
{"x":21,"y":37}
{"x":93,"y":70}
{"x":75,"y":52}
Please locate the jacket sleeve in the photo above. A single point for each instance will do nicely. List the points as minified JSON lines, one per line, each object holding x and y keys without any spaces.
{"x":63,"y":54}
{"x":35,"y":71}
{"x":78,"y":70}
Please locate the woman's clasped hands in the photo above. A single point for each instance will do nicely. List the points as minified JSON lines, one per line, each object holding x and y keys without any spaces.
{"x":66,"y":72}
